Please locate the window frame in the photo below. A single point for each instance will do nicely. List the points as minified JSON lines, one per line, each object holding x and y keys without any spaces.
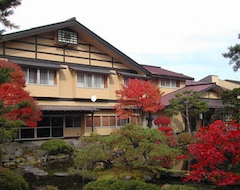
{"x":92,"y":80}
{"x":169,"y":83}
{"x":50,"y":78}
{"x":99,"y":121}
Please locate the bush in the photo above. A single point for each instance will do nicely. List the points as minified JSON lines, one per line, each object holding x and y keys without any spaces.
{"x":57,"y":146}
{"x":88,"y":174}
{"x":179,"y":187}
{"x":119,"y":185}
{"x":9,"y":180}
{"x":184,"y":138}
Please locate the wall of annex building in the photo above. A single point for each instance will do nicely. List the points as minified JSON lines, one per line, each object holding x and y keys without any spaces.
{"x":223,"y":83}
{"x":211,"y":95}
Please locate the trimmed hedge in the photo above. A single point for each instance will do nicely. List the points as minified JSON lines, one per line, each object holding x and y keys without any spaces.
{"x":57,"y":146}
{"x":119,"y":185}
{"x":179,"y":187}
{"x":9,"y":180}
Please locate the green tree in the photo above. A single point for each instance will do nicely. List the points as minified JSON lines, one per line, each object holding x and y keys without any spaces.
{"x":6,"y":10}
{"x":131,"y":147}
{"x":231,"y":100}
{"x":234,"y":55}
{"x":188,"y":104}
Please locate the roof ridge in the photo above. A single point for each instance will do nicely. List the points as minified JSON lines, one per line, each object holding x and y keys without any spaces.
{"x":200,"y":83}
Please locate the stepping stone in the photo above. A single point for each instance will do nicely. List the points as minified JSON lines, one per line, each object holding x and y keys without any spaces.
{"x":61,"y":174}
{"x":40,"y":173}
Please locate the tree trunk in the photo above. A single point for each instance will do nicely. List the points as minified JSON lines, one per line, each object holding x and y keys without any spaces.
{"x":188,"y":120}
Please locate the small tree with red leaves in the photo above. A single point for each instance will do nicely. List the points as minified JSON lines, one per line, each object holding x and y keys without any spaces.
{"x":17,"y":107}
{"x":217,"y":154}
{"x":138,"y":97}
{"x":162,"y":122}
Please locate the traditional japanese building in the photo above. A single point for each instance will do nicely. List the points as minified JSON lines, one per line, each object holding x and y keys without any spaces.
{"x":73,"y":74}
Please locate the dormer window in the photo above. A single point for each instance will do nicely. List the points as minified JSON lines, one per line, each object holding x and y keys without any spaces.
{"x":67,"y":37}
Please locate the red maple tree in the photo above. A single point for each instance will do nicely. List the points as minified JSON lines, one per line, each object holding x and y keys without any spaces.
{"x":217,"y":153}
{"x":138,"y":97}
{"x":17,"y":107}
{"x":11,"y":73}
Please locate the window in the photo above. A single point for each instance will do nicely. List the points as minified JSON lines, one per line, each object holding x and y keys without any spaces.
{"x":126,"y":79}
{"x":110,"y":121}
{"x":67,"y":36}
{"x":123,"y":122}
{"x":170,"y":83}
{"x":91,"y":80}
{"x":71,"y":121}
{"x":40,"y":76}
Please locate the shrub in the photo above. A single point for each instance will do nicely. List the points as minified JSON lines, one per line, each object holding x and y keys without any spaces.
{"x":184,"y":138}
{"x":119,"y":185}
{"x":9,"y":180}
{"x":179,"y":187}
{"x":57,"y":146}
{"x":162,"y":121}
{"x":88,"y":174}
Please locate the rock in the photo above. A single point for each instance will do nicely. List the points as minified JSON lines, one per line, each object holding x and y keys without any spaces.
{"x":147,"y":178}
{"x":127,"y":177}
{"x":12,"y":148}
{"x":11,"y":165}
{"x":39,"y":173}
{"x":61,"y":174}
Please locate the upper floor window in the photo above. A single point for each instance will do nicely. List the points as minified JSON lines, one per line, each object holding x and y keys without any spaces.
{"x":171,"y":83}
{"x":91,"y":80}
{"x":67,"y":36}
{"x":40,"y":76}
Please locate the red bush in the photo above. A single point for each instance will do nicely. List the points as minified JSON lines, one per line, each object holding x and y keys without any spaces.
{"x":162,"y":120}
{"x":217,"y":152}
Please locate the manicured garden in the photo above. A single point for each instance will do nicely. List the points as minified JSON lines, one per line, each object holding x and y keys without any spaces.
{"x":135,"y":158}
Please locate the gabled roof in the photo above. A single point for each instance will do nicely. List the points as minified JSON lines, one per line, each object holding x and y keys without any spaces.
{"x":199,"y":87}
{"x":84,"y":32}
{"x":160,"y":72}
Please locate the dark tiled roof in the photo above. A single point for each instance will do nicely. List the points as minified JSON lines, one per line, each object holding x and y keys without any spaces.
{"x":202,"y":87}
{"x":160,"y":72}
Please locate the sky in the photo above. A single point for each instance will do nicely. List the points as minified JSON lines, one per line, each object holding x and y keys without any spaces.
{"x":183,"y":36}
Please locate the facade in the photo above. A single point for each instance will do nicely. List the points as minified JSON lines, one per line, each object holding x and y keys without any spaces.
{"x":167,"y":81}
{"x":73,"y":74}
{"x":211,"y":93}
{"x":227,"y":84}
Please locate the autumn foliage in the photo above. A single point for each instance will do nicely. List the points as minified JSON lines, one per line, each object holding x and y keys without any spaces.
{"x":217,"y":153}
{"x":163,"y":125}
{"x":138,"y":97}
{"x":17,"y":107}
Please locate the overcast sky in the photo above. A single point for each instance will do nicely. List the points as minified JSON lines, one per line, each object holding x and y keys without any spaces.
{"x":184,"y":36}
